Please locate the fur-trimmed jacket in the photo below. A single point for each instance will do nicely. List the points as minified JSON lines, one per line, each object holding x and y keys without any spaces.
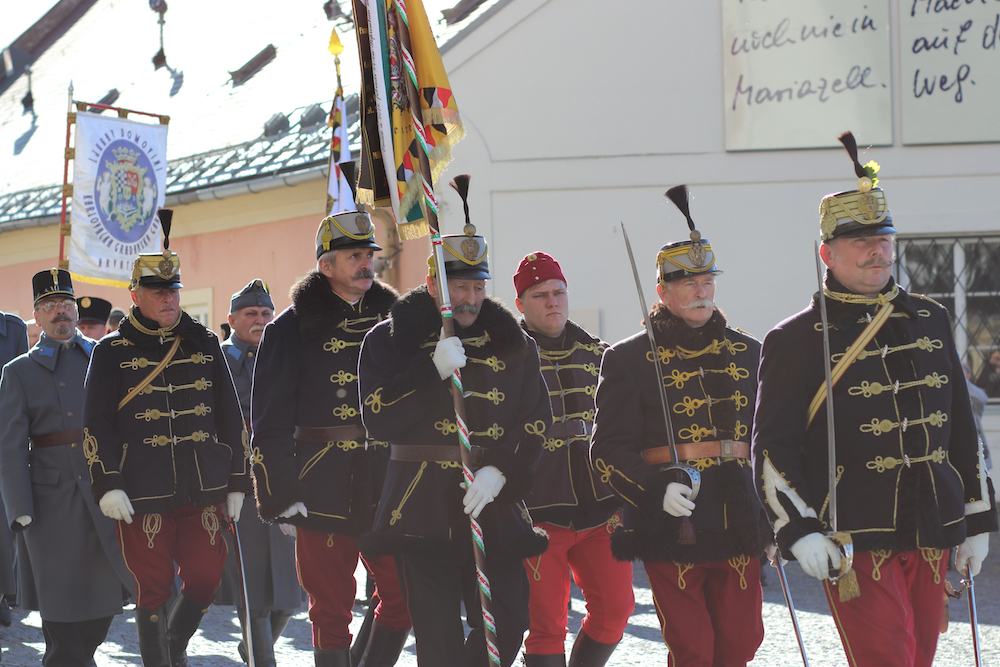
{"x":569,"y":492}
{"x":181,"y":439}
{"x":407,"y":403}
{"x":306,"y":376}
{"x":710,"y":375}
{"x":910,"y":465}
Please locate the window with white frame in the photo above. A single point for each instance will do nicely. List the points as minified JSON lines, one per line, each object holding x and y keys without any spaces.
{"x":962,"y":272}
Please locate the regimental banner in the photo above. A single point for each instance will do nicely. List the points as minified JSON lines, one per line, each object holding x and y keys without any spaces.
{"x":119,"y":179}
{"x":338,"y":191}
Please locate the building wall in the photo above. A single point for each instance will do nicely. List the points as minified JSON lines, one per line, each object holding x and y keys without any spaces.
{"x":222,"y":245}
{"x":582,"y":113}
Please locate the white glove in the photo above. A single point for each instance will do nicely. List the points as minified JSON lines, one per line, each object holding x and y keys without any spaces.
{"x":24,"y":520}
{"x":971,"y":553}
{"x":449,"y":356}
{"x":234,"y":503}
{"x":297,"y":508}
{"x":817,"y":555}
{"x":676,"y":500}
{"x":287,"y":529}
{"x":486,"y":484}
{"x":116,"y":505}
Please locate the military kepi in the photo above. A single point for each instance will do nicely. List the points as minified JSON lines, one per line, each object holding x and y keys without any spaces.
{"x":52,"y":282}
{"x":254,"y":295}
{"x":350,"y":229}
{"x":682,"y":259}
{"x":159,"y":270}
{"x":861,"y":212}
{"x":93,"y":310}
{"x":465,"y":255}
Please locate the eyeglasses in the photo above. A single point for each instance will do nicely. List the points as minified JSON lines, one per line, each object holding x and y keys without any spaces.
{"x":51,"y":306}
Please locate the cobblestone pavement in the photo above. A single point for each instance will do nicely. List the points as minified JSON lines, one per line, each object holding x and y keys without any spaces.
{"x":215,"y":643}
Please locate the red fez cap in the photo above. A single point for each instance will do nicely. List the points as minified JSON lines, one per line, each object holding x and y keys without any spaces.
{"x":535,"y":268}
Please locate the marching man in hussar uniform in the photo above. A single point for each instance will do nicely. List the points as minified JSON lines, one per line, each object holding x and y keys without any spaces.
{"x":313,"y":465}
{"x":406,"y":371}
{"x":268,"y":554}
{"x":569,"y":501}
{"x":166,"y":447}
{"x":701,"y":550}
{"x":910,"y":478}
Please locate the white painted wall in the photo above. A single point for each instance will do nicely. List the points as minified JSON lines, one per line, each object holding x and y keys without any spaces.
{"x":581,"y":113}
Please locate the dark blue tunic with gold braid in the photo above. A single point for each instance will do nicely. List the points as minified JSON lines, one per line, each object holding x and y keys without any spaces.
{"x":909,"y":462}
{"x":181,"y":439}
{"x":710,"y":374}
{"x":569,"y":493}
{"x":407,"y":403}
{"x":307,"y":376}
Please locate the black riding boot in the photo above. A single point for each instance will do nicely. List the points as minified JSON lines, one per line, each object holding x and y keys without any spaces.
{"x":279,"y":621}
{"x":534,"y":660}
{"x":340,"y":657}
{"x":590,"y":653}
{"x":384,"y":646}
{"x":261,"y":640}
{"x":364,"y":634}
{"x":151,"y":626}
{"x":185,"y":617}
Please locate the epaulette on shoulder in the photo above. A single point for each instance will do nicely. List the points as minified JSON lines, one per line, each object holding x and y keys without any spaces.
{"x":745,"y":333}
{"x":926,"y":298}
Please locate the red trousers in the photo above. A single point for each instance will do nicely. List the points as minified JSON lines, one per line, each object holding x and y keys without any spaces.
{"x":710,"y":613}
{"x":606,"y":584}
{"x":189,"y":536}
{"x":326,"y":564}
{"x":897,"y":617}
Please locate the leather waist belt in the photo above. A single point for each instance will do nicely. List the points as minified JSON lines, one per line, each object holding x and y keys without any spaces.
{"x":570,"y":428}
{"x":433,"y":453}
{"x":53,"y":439}
{"x":713,"y":449}
{"x":330,"y":433}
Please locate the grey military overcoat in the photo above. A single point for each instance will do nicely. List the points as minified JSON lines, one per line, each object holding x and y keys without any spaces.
{"x":73,"y":569}
{"x":13,"y":343}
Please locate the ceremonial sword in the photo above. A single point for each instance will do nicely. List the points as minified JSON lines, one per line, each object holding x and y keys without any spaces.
{"x":243,"y":591}
{"x":968,"y":584}
{"x":842,"y":540}
{"x":791,"y":607}
{"x":675,"y":466}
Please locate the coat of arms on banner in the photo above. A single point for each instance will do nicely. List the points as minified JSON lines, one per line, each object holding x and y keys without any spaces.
{"x":119,"y":181}
{"x":126,"y":194}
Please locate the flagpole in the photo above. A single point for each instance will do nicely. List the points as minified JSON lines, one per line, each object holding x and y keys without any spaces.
{"x":67,"y":189}
{"x":448,"y":324}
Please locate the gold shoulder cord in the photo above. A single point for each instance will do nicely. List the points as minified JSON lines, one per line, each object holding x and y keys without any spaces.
{"x":855,"y":349}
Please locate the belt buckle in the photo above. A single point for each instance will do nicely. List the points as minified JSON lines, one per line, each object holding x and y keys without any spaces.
{"x":727,"y":449}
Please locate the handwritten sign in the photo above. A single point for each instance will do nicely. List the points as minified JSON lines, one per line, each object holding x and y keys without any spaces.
{"x":800,"y":72}
{"x":949,"y":70}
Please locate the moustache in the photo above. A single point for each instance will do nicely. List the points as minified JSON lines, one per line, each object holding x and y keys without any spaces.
{"x":700,"y":303}
{"x":60,"y":318}
{"x":364,"y":273}
{"x":876,"y":262}
{"x":257,"y":327}
{"x":469,"y":308}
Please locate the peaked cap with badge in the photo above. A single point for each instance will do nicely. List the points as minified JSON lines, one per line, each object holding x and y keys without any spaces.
{"x":465,"y":255}
{"x":861,"y":212}
{"x":350,"y":229}
{"x":682,"y":259}
{"x":255,"y":295}
{"x":51,"y":282}
{"x":158,"y":269}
